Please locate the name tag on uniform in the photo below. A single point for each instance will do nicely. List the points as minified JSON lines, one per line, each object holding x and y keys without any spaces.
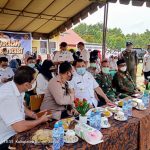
{"x":79,"y":82}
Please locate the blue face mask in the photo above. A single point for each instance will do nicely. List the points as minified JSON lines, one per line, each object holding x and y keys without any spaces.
{"x":32,"y":65}
{"x":81,"y":71}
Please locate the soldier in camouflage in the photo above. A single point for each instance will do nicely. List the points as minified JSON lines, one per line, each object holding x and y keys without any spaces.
{"x":131,"y":59}
{"x":123,"y":81}
{"x":104,"y":79}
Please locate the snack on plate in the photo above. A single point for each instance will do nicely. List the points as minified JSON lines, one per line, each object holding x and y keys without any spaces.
{"x":42,"y":136}
{"x":120,"y":103}
{"x":66,"y":123}
{"x":107,"y":113}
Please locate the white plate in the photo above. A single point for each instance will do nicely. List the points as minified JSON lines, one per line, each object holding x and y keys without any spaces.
{"x":97,"y":108}
{"x":71,"y":142}
{"x":139,"y":108}
{"x":116,"y":118}
{"x":105,"y":127}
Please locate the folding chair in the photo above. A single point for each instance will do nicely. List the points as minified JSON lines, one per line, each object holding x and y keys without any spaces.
{"x":36,"y":101}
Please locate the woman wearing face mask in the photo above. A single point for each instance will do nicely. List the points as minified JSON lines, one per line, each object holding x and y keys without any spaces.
{"x":146,"y":66}
{"x":44,"y":76}
{"x":123,"y":81}
{"x":58,"y":96}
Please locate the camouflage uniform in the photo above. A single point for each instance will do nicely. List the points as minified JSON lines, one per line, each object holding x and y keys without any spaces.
{"x":105,"y":82}
{"x":124,"y":83}
{"x":131,"y":60}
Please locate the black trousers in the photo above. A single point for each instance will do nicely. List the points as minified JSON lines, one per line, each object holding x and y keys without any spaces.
{"x":146,"y":74}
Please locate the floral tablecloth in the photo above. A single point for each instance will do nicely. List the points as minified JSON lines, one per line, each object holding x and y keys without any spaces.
{"x":121,"y":136}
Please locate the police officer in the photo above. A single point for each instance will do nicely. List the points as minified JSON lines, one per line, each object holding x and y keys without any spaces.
{"x":131,"y":59}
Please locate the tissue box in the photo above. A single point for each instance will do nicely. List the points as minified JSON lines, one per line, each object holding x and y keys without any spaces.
{"x":89,"y":134}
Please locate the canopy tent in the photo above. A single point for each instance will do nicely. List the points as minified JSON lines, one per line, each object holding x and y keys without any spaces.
{"x":45,"y":18}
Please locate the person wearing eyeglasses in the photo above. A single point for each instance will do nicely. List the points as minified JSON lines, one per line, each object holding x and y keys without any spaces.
{"x":6,"y":73}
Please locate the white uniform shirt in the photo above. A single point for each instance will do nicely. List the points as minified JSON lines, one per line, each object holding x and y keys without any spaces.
{"x":85,"y":55}
{"x":42,"y":84}
{"x":84,"y":87}
{"x":7,"y":73}
{"x":146,"y":63}
{"x":11,"y":109}
{"x":63,"y":56}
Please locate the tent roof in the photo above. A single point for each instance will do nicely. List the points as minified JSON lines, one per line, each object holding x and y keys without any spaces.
{"x":45,"y":18}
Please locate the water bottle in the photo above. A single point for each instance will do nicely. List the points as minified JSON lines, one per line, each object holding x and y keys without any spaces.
{"x":125,"y":109}
{"x":92,"y":119}
{"x":56,"y":137}
{"x":61,"y":132}
{"x":129,"y":108}
{"x":98,"y":120}
{"x":145,"y":98}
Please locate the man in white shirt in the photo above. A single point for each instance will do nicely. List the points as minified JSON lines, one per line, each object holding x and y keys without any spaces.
{"x":84,"y":54}
{"x":63,"y":55}
{"x":146,"y":65}
{"x":6,"y":73}
{"x":85,"y":86}
{"x":12,"y":110}
{"x":5,"y":54}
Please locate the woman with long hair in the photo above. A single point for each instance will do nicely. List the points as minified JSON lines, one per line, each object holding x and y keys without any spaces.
{"x":44,"y":76}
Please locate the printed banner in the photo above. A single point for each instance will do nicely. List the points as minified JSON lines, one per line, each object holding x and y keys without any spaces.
{"x":16,"y":43}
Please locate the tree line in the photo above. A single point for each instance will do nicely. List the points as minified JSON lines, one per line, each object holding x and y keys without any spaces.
{"x":115,"y":37}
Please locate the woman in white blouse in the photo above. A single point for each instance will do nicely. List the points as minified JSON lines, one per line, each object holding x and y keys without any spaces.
{"x":44,"y":76}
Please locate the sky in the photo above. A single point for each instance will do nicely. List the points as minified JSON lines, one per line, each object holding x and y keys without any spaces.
{"x":130,"y":19}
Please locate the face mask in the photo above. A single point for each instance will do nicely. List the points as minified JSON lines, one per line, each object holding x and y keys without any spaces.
{"x":105,"y":70}
{"x":32,"y":65}
{"x":33,"y":86}
{"x":2,"y":69}
{"x":93,"y":65}
{"x":123,"y":69}
{"x":81,"y":71}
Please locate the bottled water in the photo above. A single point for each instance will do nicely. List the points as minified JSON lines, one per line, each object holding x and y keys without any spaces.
{"x":129,"y":108}
{"x":92,"y":119}
{"x":56,"y":137}
{"x":61,"y":132}
{"x":98,"y":120}
{"x":145,"y":98}
{"x":125,"y":109}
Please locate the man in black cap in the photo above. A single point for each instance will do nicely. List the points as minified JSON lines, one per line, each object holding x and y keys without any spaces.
{"x":122,"y":80}
{"x":131,"y":59}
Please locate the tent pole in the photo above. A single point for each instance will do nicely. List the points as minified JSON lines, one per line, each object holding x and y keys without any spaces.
{"x":104,"y":30}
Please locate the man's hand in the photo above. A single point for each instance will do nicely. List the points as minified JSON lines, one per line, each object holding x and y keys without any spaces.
{"x":4,"y":80}
{"x":108,"y":102}
{"x":44,"y":118}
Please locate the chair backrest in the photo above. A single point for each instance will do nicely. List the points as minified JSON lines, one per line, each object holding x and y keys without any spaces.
{"x":36,"y":101}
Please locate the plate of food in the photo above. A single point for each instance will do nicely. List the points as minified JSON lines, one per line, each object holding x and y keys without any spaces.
{"x":43,"y":136}
{"x":66,"y":122}
{"x":101,"y":109}
{"x":107,"y":113}
{"x":119,"y":103}
{"x":69,"y":140}
{"x":114,"y":109}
